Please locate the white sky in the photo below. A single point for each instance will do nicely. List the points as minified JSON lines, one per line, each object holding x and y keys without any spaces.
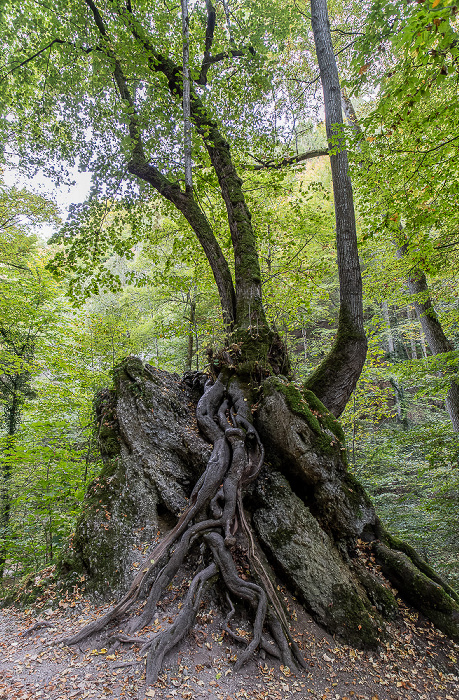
{"x":44,"y":186}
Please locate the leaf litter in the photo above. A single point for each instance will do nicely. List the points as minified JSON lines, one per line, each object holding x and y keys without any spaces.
{"x":418,"y":662}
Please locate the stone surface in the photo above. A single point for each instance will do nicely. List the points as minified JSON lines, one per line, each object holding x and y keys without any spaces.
{"x":308,"y":512}
{"x":153,"y":455}
{"x":309,"y":562}
{"x":417,"y":588}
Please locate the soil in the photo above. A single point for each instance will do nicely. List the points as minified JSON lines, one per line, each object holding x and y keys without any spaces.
{"x":418,"y":662}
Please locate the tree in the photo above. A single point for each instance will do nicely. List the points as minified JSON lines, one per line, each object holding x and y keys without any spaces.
{"x":434,"y":333}
{"x":135,"y":48}
{"x":25,"y":292}
{"x":335,"y":379}
{"x":414,"y":202}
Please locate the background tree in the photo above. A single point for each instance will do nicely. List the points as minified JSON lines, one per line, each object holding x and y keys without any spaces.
{"x":25,"y":293}
{"x":409,"y":141}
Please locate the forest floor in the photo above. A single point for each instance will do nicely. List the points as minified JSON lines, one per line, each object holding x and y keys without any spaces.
{"x":418,"y":662}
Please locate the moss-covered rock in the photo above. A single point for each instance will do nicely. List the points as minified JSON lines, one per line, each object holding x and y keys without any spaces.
{"x":426,"y":595}
{"x":308,"y":510}
{"x":152,"y":455}
{"x":398,"y":544}
{"x":377,"y":591}
{"x":32,"y":588}
{"x":307,"y":558}
{"x":304,"y":441}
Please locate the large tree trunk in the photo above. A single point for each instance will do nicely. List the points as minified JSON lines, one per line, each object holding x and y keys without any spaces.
{"x":336,"y":377}
{"x":301,"y":517}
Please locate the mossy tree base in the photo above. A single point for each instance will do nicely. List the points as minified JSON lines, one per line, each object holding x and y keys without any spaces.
{"x":275,"y":491}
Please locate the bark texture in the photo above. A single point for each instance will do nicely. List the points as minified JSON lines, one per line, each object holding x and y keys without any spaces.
{"x":166,"y":499}
{"x":335,"y":379}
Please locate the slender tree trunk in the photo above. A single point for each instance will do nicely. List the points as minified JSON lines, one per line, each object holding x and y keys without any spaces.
{"x":336,"y":377}
{"x":191,"y":332}
{"x":186,"y":96}
{"x":400,"y":403}
{"x":389,"y":336}
{"x":425,"y":312}
{"x":349,"y":112}
{"x":423,"y":342}
{"x":411,"y":315}
{"x":13,"y":416}
{"x":433,"y":331}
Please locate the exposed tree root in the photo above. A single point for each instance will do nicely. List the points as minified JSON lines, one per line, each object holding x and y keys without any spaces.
{"x":214,"y":518}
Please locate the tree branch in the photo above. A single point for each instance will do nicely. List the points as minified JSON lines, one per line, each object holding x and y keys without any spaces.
{"x":30,"y":58}
{"x":97,"y":17}
{"x":292,"y":160}
{"x":209,"y":60}
{"x":140,"y":167}
{"x":210,"y":29}
{"x":247,"y":277}
{"x":45,"y":48}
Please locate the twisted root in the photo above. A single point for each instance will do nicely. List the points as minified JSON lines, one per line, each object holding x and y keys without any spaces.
{"x":215,"y":516}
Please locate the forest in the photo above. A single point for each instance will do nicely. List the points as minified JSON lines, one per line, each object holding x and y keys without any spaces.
{"x":250,"y":319}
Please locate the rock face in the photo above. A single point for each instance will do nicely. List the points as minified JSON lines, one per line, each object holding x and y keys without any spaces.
{"x":306,"y":511}
{"x":152,"y":454}
{"x":309,"y":561}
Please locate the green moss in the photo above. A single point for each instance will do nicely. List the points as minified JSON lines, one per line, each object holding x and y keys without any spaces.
{"x":356,"y":494}
{"x":107,"y":432}
{"x":252,"y":348}
{"x":130,"y":365}
{"x":110,"y":443}
{"x":325,"y":444}
{"x":397,"y":544}
{"x":421,"y":591}
{"x":100,"y":531}
{"x":382,"y":598}
{"x":282,"y":537}
{"x":97,"y":489}
{"x":308,"y":406}
{"x":326,"y":418}
{"x":33,"y":588}
{"x":295,"y":401}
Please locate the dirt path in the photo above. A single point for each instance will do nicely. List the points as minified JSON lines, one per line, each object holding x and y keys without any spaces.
{"x":419,"y":663}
